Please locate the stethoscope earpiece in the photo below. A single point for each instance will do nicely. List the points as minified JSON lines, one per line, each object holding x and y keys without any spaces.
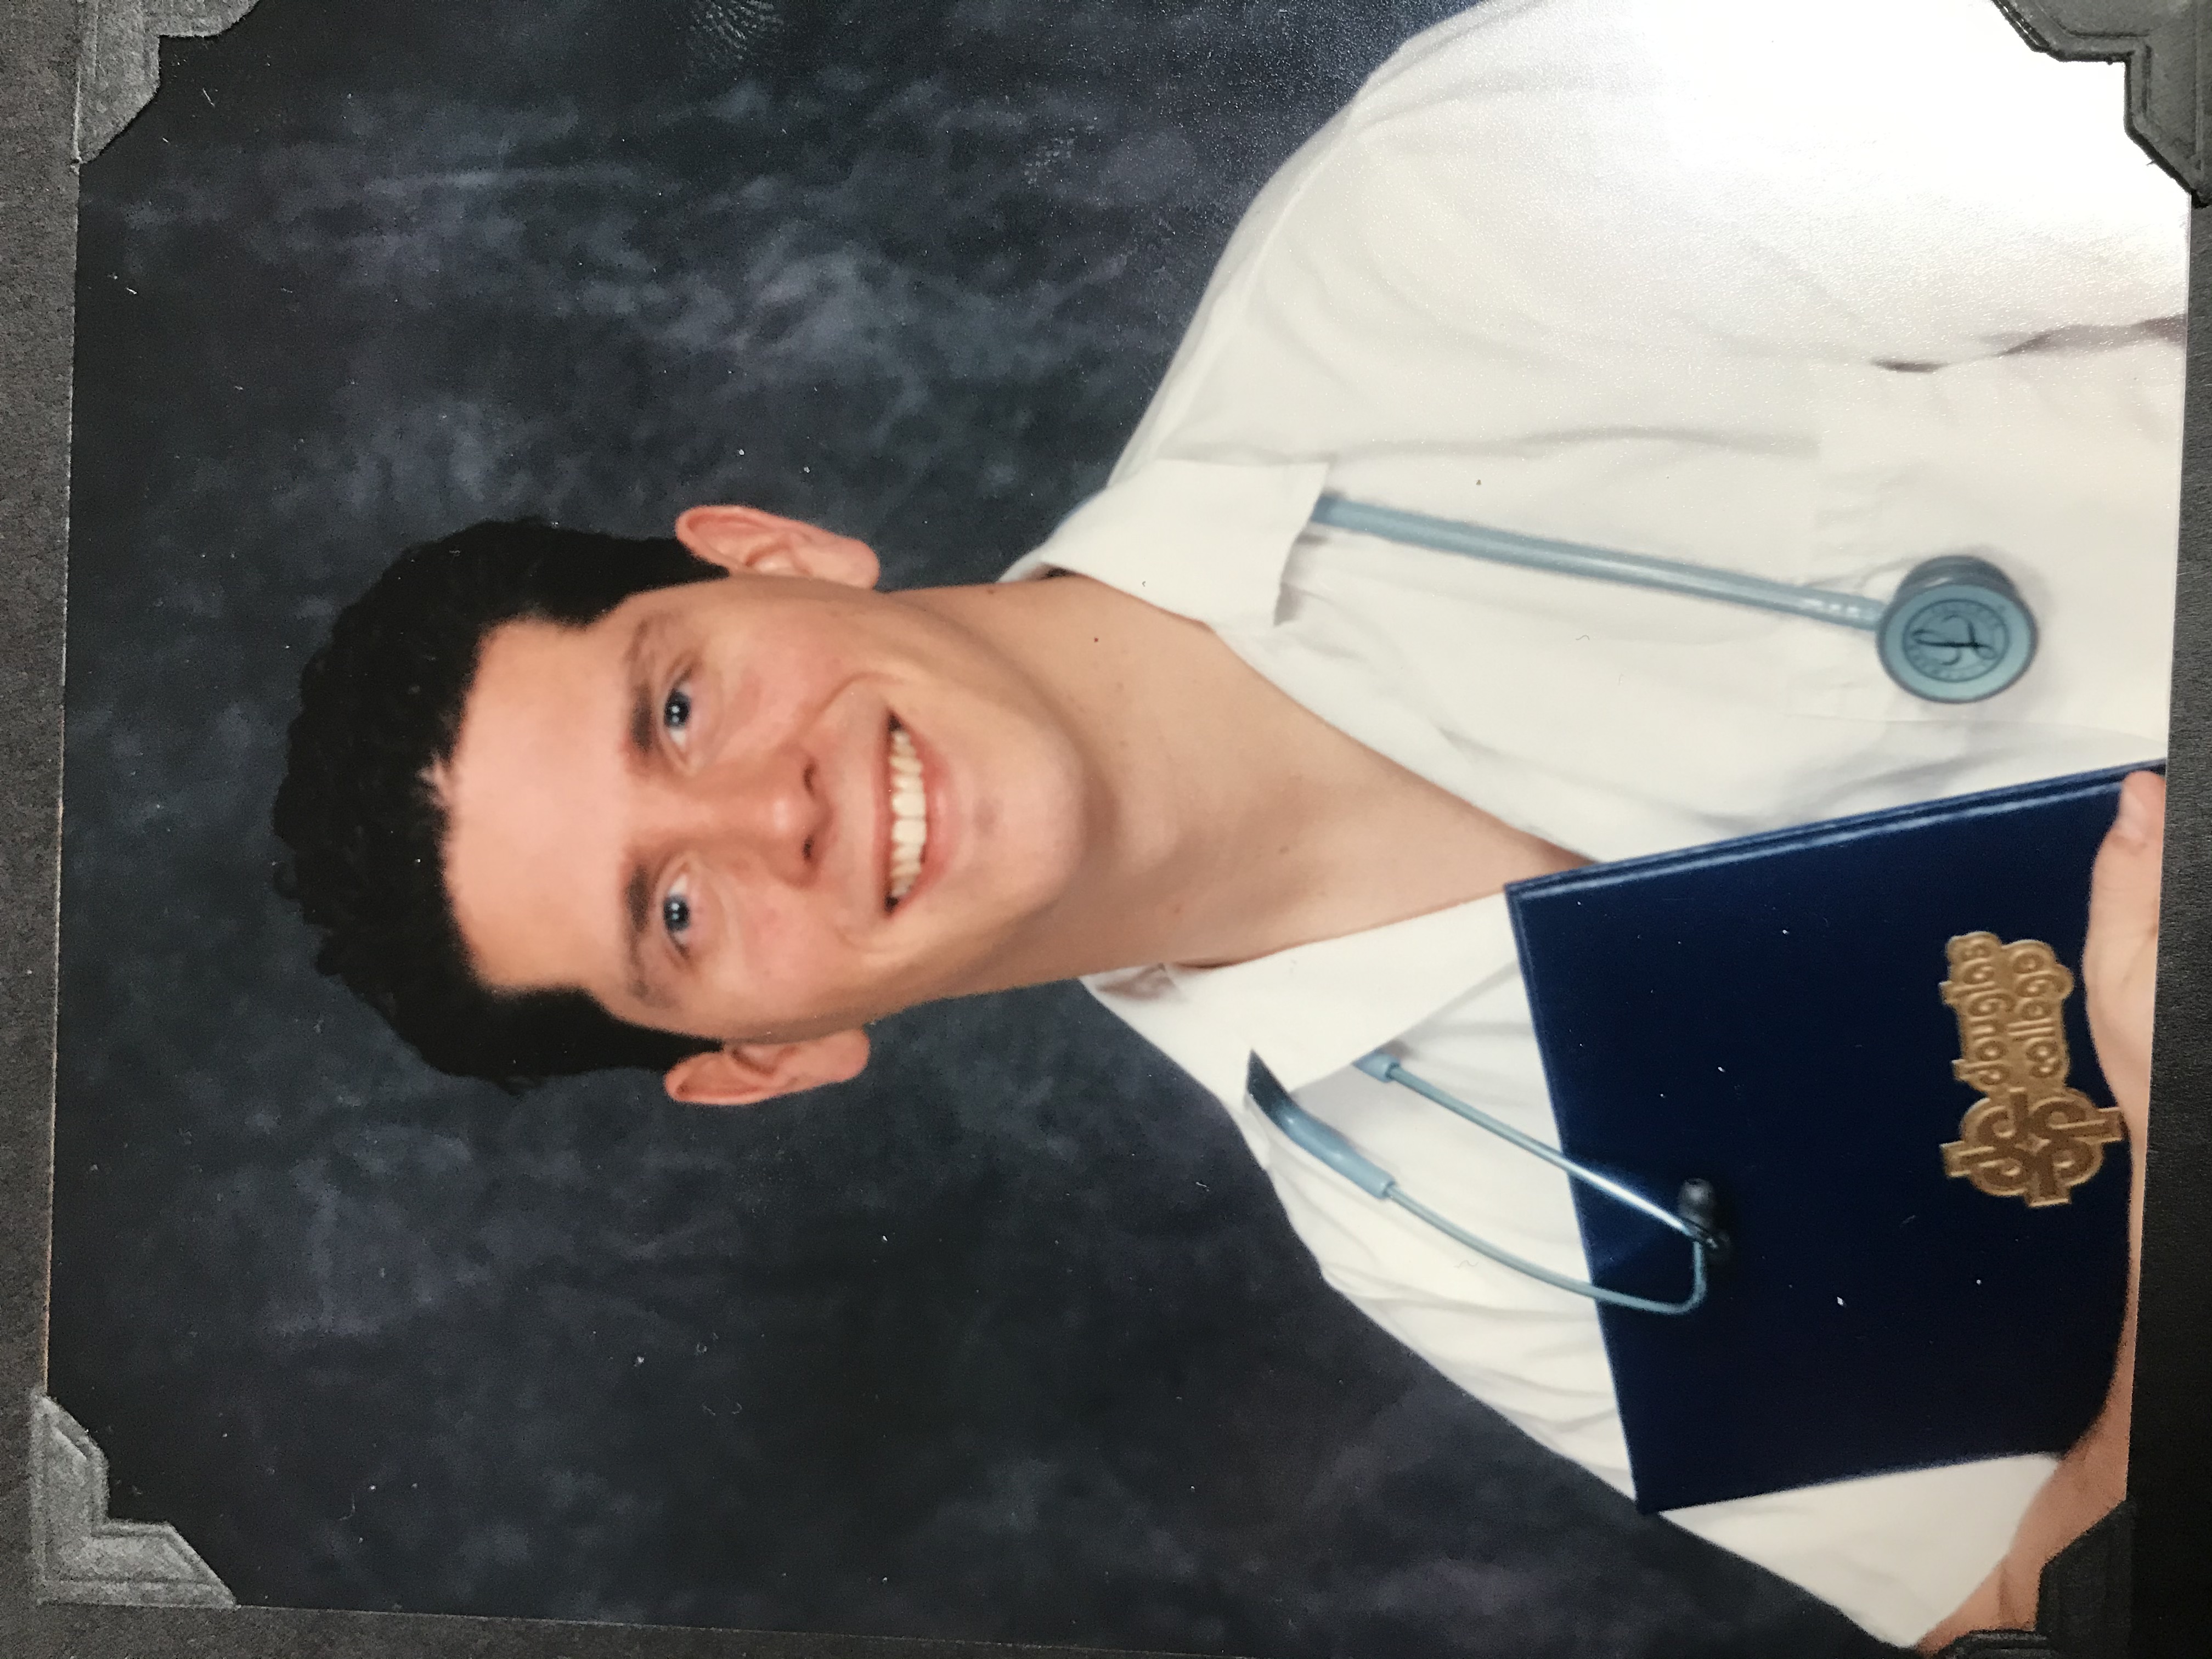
{"x":1957,"y":630}
{"x":1695,"y":1214}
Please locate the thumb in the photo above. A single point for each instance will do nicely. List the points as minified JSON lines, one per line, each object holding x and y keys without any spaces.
{"x":2119,"y":960}
{"x":2124,"y":884}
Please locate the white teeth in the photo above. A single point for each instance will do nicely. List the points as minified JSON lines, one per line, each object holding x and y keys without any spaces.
{"x":909,"y":815}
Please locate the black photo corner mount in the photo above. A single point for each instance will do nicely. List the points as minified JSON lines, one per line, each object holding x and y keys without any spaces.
{"x":120,"y":59}
{"x":2081,"y":1604}
{"x":73,"y":74}
{"x":2164,"y":45}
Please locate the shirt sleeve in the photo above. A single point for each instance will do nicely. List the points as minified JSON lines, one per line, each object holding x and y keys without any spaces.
{"x":1915,"y":186}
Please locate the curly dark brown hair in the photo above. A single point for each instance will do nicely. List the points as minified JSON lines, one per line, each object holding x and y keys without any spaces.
{"x":380,"y":704}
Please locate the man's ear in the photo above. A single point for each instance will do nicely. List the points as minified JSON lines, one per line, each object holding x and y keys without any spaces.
{"x":743,"y":1074}
{"x":744,"y":538}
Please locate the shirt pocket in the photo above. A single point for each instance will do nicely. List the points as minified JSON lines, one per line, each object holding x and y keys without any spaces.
{"x":2063,"y":468}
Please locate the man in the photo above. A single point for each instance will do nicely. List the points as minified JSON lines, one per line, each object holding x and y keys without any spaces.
{"x":1682,"y":276}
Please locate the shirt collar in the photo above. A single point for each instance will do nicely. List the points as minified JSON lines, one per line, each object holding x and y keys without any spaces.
{"x":1204,"y":539}
{"x":1314,"y":1009}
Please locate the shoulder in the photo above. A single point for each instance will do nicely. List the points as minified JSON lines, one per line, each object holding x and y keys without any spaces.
{"x":1536,"y":181}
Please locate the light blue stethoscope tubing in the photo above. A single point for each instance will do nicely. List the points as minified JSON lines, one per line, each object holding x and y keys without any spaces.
{"x":1333,"y":1150}
{"x":1956,"y":631}
{"x":1602,"y":563}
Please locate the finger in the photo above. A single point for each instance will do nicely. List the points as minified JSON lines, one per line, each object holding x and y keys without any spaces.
{"x":2141,"y":814}
{"x":2124,"y":884}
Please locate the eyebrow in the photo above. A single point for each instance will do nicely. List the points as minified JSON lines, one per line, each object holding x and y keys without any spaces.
{"x":637,"y":889}
{"x":637,"y":905}
{"x":644,"y":715}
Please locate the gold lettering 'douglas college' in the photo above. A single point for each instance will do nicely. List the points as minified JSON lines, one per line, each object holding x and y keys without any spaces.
{"x":2031,"y":1136}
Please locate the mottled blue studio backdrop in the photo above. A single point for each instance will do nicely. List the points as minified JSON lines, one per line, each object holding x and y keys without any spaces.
{"x":1007,"y":1339}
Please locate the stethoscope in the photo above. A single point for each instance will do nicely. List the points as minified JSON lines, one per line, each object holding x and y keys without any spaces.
{"x":1693,"y":1216}
{"x":1956,"y":631}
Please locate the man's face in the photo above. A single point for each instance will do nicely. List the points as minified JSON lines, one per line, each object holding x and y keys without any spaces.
{"x":686,"y":809}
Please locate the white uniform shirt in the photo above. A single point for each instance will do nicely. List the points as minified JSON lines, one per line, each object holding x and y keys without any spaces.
{"x":1706,"y":279}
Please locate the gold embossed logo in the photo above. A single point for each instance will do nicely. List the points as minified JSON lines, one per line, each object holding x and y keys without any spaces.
{"x":2031,"y":1136}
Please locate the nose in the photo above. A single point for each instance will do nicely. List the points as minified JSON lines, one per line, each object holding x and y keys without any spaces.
{"x":766,"y":812}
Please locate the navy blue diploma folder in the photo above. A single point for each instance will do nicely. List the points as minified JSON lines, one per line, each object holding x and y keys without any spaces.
{"x":1785,"y":1015}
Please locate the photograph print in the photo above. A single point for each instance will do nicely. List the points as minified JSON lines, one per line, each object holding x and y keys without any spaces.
{"x":1288,"y":831}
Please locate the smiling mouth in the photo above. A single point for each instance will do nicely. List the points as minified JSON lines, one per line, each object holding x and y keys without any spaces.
{"x":909,"y":818}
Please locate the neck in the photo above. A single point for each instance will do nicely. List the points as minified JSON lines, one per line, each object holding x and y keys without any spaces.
{"x":1231,"y":821}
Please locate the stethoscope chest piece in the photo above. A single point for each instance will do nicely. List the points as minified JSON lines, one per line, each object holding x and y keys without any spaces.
{"x":1956,"y":631}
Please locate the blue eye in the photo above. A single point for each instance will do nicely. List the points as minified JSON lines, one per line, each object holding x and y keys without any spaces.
{"x":676,"y":914}
{"x":676,"y":710}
